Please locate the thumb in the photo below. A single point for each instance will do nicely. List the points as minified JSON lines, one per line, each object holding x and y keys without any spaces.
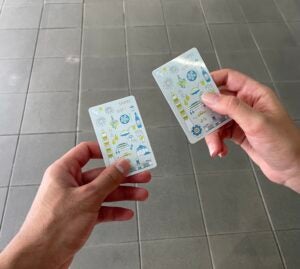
{"x":110,"y":178}
{"x":244,"y":115}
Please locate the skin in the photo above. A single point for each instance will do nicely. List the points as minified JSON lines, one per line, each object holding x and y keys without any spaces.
{"x":67,"y":207}
{"x":260,"y":125}
{"x":68,"y":204}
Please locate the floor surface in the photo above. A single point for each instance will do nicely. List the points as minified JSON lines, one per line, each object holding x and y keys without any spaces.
{"x":59,"y":57}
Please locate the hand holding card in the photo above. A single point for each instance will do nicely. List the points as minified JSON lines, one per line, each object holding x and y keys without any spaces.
{"x":183,"y":81}
{"x":121,"y":133}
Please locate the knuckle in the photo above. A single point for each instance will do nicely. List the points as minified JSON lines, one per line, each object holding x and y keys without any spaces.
{"x":258,"y":124}
{"x":113,"y":175}
{"x":82,"y":144}
{"x":233,"y":103}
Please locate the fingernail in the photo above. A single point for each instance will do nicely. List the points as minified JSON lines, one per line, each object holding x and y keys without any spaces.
{"x":221,"y":155}
{"x":123,"y":166}
{"x":210,"y":98}
{"x":212,"y":150}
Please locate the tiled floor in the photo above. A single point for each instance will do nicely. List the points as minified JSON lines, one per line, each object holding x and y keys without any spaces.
{"x":59,"y":57}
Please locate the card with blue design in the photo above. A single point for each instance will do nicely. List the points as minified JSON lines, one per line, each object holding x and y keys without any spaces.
{"x":182,"y":81}
{"x":121,"y":133}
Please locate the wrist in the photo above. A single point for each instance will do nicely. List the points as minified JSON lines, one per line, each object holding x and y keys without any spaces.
{"x":293,"y":174}
{"x":21,"y":253}
{"x":34,"y":246}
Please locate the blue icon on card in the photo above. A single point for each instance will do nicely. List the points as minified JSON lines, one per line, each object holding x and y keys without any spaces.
{"x":191,"y":75}
{"x":124,"y":119}
{"x":205,"y":75}
{"x":137,"y":120}
{"x":196,"y":130}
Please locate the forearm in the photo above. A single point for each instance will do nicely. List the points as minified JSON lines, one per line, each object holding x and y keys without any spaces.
{"x":22,"y":253}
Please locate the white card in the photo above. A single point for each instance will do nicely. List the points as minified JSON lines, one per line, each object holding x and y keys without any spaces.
{"x":121,"y":133}
{"x":182,"y":81}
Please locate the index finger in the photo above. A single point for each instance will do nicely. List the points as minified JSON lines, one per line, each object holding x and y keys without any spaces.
{"x":82,"y":153}
{"x":234,"y":81}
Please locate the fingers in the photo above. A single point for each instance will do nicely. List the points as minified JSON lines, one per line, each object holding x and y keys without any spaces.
{"x":214,"y":144}
{"x":110,"y":178}
{"x":90,"y":175}
{"x":127,"y":193}
{"x":143,"y":177}
{"x":81,"y":154}
{"x":233,"y":80}
{"x":114,"y":214}
{"x":246,"y":117}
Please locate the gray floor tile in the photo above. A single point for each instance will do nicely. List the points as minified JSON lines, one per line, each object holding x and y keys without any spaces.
{"x":159,"y":216}
{"x":289,"y":93}
{"x":17,"y":43}
{"x":182,"y":12}
{"x":256,"y":11}
{"x":50,"y":112}
{"x":2,"y":200}
{"x":245,"y":251}
{"x":22,"y":2}
{"x":18,"y":17}
{"x":171,"y":151}
{"x":290,"y":9}
{"x":239,"y":60}
{"x":104,"y":13}
{"x":231,"y":37}
{"x":93,"y":98}
{"x":222,"y":11}
{"x":147,"y":40}
{"x":104,"y":73}
{"x":54,"y":74}
{"x":115,"y":232}
{"x":290,"y":244}
{"x":236,"y":159}
{"x":18,"y":204}
{"x":295,"y":28}
{"x":191,"y":253}
{"x":125,"y":256}
{"x":283,"y":64}
{"x":210,"y":60}
{"x":62,"y":16}
{"x":65,"y":1}
{"x":143,"y":13}
{"x":8,"y":147}
{"x":90,"y":136}
{"x":231,"y":203}
{"x":272,"y":35}
{"x":31,"y":153}
{"x":154,"y":108}
{"x":104,"y":42}
{"x":14,"y":75}
{"x":58,"y":43}
{"x":282,"y":203}
{"x":141,"y":67}
{"x":183,"y":38}
{"x":11,"y":109}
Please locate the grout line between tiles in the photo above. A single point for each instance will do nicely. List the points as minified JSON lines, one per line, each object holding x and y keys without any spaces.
{"x":269,"y":217}
{"x":166,"y":27}
{"x":126,"y":48}
{"x":259,"y":50}
{"x":21,"y":122}
{"x":201,"y":209}
{"x":130,"y":92}
{"x":210,"y":34}
{"x":80,"y":74}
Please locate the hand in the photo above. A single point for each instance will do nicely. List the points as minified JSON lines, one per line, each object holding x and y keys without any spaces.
{"x":67,"y":207}
{"x":260,"y":126}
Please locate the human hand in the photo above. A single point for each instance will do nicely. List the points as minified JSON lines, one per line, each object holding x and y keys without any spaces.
{"x":260,"y":125}
{"x":67,"y":207}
